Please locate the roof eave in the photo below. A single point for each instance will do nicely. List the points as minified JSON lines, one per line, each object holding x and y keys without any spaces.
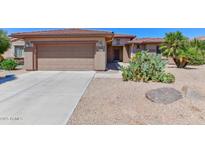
{"x":144,"y":42}
{"x":131,"y":37}
{"x":22,"y":36}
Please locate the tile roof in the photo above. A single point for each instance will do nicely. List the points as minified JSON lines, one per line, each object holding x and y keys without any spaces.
{"x":124,"y":36}
{"x":147,"y":40}
{"x":201,"y":38}
{"x":69,"y":31}
{"x":12,"y":39}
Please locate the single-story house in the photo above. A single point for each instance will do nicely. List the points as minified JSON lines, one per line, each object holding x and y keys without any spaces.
{"x":73,"y":49}
{"x":16,"y":50}
{"x":80,"y":49}
{"x":145,"y":44}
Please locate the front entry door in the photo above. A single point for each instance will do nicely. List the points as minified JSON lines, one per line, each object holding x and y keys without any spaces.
{"x":158,"y":50}
{"x":116,"y":54}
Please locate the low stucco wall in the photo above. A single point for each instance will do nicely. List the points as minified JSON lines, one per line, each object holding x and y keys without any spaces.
{"x":100,"y":61}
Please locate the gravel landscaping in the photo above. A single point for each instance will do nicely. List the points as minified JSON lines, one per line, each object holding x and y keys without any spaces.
{"x":17,"y":71}
{"x":113,"y":101}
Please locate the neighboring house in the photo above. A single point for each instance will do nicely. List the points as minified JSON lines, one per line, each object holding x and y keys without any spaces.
{"x":79,"y":49}
{"x":202,"y":38}
{"x":16,"y":50}
{"x":145,"y":44}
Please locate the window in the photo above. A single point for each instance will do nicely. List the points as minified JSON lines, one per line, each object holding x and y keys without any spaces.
{"x":18,"y":51}
{"x":138,"y":46}
{"x":118,"y":41}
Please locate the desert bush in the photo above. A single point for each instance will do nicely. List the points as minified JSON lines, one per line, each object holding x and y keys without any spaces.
{"x":198,"y":44}
{"x":20,"y":61}
{"x":164,"y":77}
{"x":146,"y":67}
{"x":195,"y":56}
{"x":8,"y":64}
{"x":1,"y":58}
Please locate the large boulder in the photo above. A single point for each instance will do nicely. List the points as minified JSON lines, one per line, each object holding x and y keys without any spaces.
{"x":194,"y":94}
{"x":164,"y":95}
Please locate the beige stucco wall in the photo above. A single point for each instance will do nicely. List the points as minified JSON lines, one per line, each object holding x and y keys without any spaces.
{"x":100,"y":61}
{"x":122,"y":41}
{"x":126,"y":54}
{"x":10,"y":52}
{"x":151,"y":47}
{"x":28,"y":58}
{"x":100,"y":57}
{"x":144,"y":47}
{"x":134,"y":49}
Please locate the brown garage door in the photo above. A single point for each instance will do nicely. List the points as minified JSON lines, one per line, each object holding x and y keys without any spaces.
{"x":65,"y":57}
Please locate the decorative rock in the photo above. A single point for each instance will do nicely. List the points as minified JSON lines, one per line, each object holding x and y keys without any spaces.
{"x":194,"y":94}
{"x":164,"y":95}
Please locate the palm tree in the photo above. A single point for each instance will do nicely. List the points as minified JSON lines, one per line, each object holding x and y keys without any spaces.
{"x":174,"y":46}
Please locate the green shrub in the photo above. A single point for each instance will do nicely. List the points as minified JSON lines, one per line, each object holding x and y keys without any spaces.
{"x":8,"y":64}
{"x":19,"y":61}
{"x":196,"y":56}
{"x":182,"y":50}
{"x":146,"y":67}
{"x":165,"y":78}
{"x":126,"y":73}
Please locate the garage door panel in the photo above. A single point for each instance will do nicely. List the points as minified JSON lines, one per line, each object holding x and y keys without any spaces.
{"x":78,"y":51}
{"x":65,"y":64}
{"x":66,"y":57}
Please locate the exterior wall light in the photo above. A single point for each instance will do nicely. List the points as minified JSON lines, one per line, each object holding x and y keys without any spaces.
{"x":28,"y":44}
{"x":100,"y":45}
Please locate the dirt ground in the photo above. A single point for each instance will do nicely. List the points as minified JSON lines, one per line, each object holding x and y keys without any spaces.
{"x":19,"y":70}
{"x":113,"y":101}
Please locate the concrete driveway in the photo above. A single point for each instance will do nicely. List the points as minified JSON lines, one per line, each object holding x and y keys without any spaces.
{"x":42,"y":97}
